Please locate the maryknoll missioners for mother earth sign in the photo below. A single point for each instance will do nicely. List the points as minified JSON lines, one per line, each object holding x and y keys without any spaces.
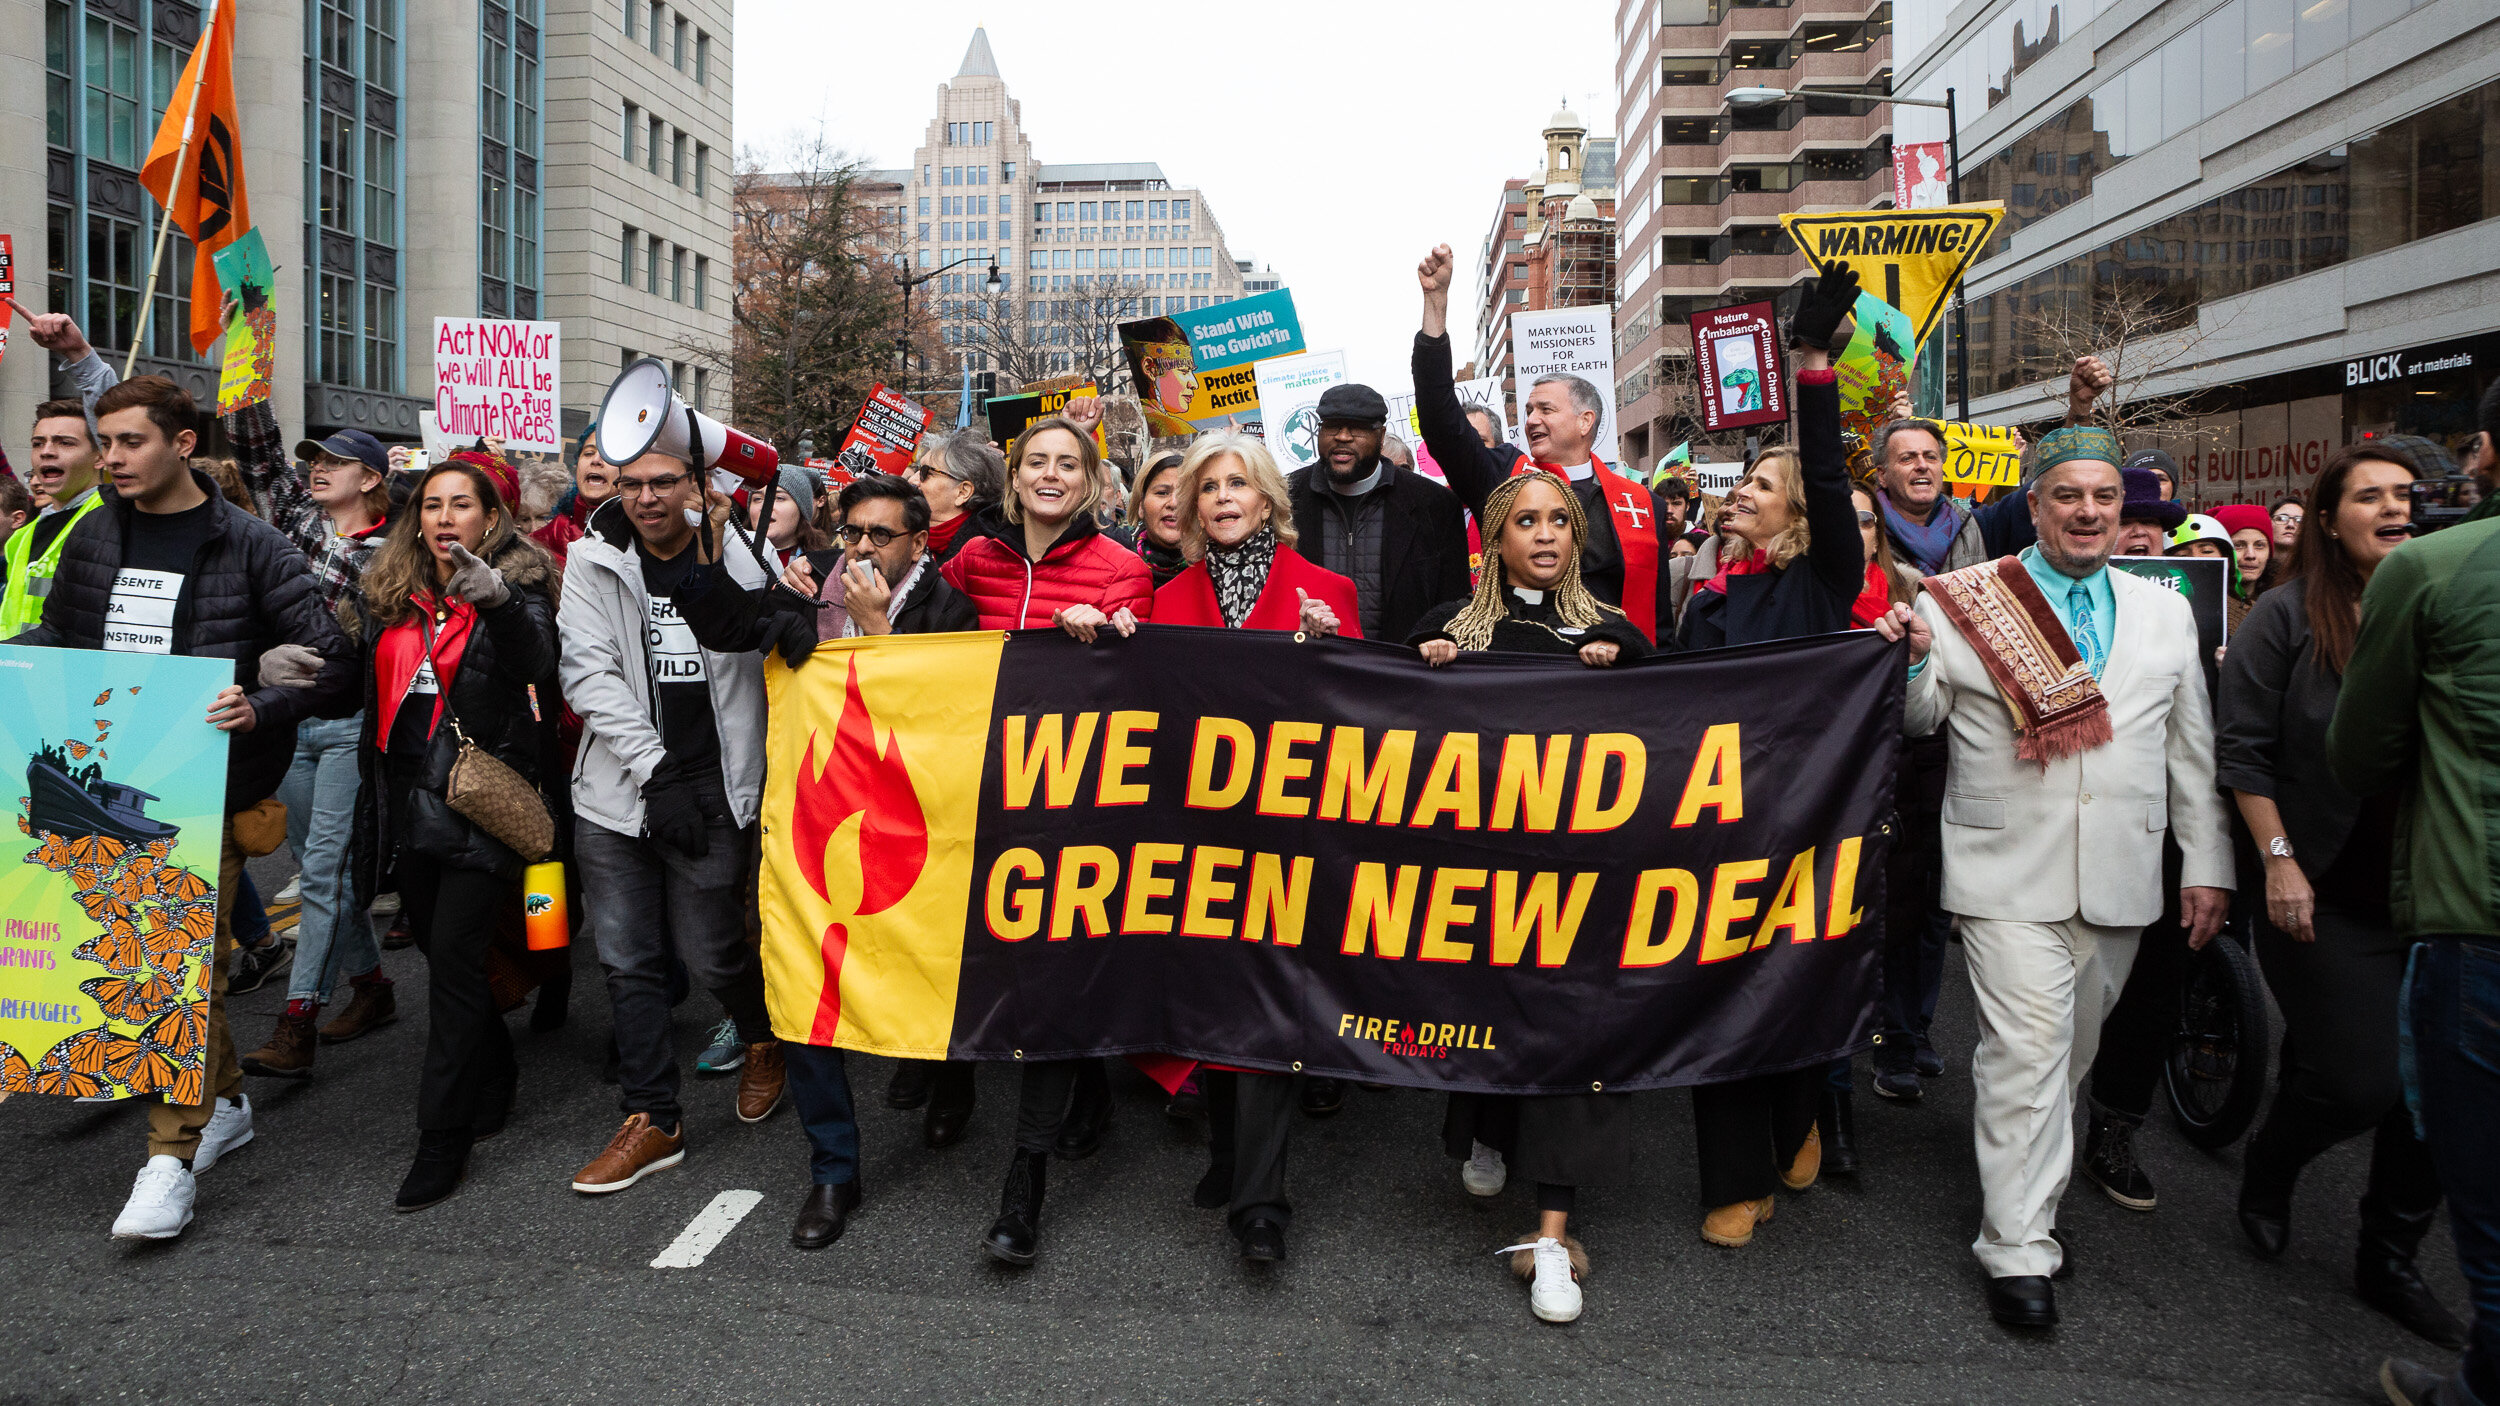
{"x":1567,"y":341}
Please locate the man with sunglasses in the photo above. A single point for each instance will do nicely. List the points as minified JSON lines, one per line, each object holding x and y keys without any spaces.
{"x":889,"y":579}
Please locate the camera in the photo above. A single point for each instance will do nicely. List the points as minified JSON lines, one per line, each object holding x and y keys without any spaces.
{"x":2442,"y":502}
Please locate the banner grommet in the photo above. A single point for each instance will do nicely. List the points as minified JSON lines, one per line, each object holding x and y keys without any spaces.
{"x":1596,"y":1087}
{"x":1019,"y":1054}
{"x":1297,"y":1066}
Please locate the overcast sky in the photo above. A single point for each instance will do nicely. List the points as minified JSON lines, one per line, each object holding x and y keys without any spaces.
{"x":1336,"y":141}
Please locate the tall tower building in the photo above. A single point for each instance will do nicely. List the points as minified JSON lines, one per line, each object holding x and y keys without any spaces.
{"x":1552,"y":242}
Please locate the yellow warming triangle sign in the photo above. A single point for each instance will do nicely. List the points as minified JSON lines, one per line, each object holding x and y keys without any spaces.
{"x":1911,"y":259}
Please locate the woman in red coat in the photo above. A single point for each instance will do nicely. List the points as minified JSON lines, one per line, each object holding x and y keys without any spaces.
{"x":1041,"y":560}
{"x":1237,"y":531}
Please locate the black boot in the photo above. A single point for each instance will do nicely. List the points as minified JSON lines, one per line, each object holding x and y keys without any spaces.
{"x":2109,"y":1160}
{"x":1840,"y":1134}
{"x":913,"y":1079}
{"x":825,"y":1214}
{"x":2384,"y":1273}
{"x":2267,"y":1176}
{"x":442,"y":1160}
{"x":1015,"y":1237}
{"x":1089,"y":1113}
{"x":950,"y":1105}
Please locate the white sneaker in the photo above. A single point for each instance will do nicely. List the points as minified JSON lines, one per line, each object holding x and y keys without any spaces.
{"x":159,"y":1207}
{"x":293,"y":892}
{"x":1484,"y":1174}
{"x":1554,"y":1295}
{"x":229,"y":1127}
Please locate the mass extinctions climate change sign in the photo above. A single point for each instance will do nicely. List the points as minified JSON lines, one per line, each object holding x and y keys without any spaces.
{"x":497,"y":379}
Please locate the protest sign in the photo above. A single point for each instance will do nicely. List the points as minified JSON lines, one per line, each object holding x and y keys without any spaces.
{"x":1736,"y":358}
{"x":501,"y":380}
{"x":1482,"y":390}
{"x":2204,"y":581}
{"x":251,"y":357}
{"x":1873,"y":366}
{"x":1193,"y":368}
{"x":1289,"y":389}
{"x":1327,"y":857}
{"x":1568,"y":341}
{"x":108,"y":886}
{"x":1981,"y":456}
{"x":1911,"y":259}
{"x":1918,"y":176}
{"x":8,"y":286}
{"x":1009,"y":414}
{"x":882,"y":438}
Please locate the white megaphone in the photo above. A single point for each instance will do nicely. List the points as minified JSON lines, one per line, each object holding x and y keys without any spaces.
{"x":642,"y":415}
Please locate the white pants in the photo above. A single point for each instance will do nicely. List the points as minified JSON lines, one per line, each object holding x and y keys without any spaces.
{"x":2043,"y":990}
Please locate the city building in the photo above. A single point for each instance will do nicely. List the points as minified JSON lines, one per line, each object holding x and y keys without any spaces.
{"x":562,"y":160}
{"x":1257,"y":277}
{"x":1552,"y":242}
{"x":1703,"y":187}
{"x":2287,"y":212}
{"x":1078,"y":248}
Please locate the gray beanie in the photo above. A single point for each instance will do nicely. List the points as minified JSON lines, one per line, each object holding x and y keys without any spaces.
{"x":799,"y":485}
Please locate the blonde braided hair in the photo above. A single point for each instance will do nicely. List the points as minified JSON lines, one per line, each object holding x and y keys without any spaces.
{"x":1472,"y":628}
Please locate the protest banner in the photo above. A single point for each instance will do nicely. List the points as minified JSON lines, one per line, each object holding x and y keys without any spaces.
{"x":1911,"y":259}
{"x":1009,"y":414}
{"x":499,"y":379}
{"x":108,"y":888}
{"x":8,"y":286}
{"x":251,"y":356}
{"x":1194,"y":369}
{"x":1568,"y":341}
{"x":1289,"y":389}
{"x":1981,"y":456}
{"x":883,"y":436}
{"x":1327,"y":857}
{"x":1918,"y":176}
{"x":1736,"y":358}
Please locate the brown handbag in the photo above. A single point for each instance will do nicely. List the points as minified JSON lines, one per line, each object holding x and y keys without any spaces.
{"x":498,"y":800}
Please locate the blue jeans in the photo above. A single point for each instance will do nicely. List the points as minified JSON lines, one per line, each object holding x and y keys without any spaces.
{"x":2451,"y":1046}
{"x":820,"y":1087}
{"x":333,"y":936}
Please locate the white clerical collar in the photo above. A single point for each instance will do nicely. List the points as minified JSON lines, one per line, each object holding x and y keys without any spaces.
{"x":1531,"y":597}
{"x":1578,"y":473}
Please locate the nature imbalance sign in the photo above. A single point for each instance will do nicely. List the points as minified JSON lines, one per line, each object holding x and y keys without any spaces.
{"x":500,"y":380}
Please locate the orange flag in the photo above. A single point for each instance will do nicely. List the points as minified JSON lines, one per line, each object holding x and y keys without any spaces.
{"x":201,"y":129}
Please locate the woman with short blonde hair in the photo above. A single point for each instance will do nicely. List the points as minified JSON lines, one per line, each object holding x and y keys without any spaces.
{"x":1257,"y":465}
{"x":1237,"y":532}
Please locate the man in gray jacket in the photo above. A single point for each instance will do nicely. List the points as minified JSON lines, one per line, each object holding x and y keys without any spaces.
{"x":666,"y":789}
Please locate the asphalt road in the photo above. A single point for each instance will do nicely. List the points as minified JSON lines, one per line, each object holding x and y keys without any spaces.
{"x":297,"y":1283}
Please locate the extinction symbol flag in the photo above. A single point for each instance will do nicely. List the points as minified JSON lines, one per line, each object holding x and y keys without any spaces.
{"x":1912,"y":259}
{"x":206,"y":143}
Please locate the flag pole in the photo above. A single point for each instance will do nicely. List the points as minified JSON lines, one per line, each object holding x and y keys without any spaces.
{"x":165,"y":226}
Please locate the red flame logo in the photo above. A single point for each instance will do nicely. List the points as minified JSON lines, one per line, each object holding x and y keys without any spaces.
{"x":857,"y":779}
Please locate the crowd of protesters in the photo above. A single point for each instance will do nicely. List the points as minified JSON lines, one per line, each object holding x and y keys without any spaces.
{"x":2072,"y":806}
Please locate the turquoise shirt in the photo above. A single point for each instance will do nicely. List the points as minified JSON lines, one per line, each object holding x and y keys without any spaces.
{"x":2059,"y":588}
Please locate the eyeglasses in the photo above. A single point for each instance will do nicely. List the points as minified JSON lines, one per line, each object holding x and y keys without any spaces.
{"x":653,"y":487}
{"x":2287,"y":515}
{"x":878,"y":537}
{"x":1865,"y":518}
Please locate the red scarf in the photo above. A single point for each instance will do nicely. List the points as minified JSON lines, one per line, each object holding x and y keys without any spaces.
{"x":1875,"y":602}
{"x":1636,"y":529}
{"x":402,"y":646}
{"x":943,"y":534}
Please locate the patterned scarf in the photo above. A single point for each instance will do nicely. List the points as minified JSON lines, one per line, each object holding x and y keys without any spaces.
{"x":1240,"y":573}
{"x":2058,"y":709}
{"x":1927,"y":543}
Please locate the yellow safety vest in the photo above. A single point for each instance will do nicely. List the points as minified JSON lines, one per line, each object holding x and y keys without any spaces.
{"x":30,"y":581}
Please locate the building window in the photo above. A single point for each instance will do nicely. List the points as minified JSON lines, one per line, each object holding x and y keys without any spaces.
{"x":677,"y":48}
{"x":652,"y":30}
{"x":702,"y":282}
{"x":651,"y":146}
{"x":651,"y":265}
{"x":677,"y":160}
{"x":633,"y":121}
{"x":112,"y":92}
{"x":625,"y":261}
{"x":677,"y":275}
{"x":631,"y":7}
{"x":702,"y":389}
{"x":702,"y":163}
{"x":702,"y":59}
{"x":1202,"y":257}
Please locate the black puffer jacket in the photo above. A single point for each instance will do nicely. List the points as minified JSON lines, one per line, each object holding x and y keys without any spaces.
{"x":250,"y":590}
{"x":490,"y":696}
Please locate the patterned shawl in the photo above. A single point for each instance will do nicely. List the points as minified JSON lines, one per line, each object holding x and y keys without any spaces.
{"x":2058,"y":708}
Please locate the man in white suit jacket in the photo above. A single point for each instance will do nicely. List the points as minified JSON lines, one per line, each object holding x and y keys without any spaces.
{"x":2054,"y":869}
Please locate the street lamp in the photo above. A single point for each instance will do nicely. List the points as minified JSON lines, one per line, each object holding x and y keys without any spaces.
{"x":1750,"y":99}
{"x":994,"y":285}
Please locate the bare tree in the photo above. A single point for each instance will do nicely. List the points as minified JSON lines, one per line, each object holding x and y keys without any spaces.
{"x":2146,"y":330}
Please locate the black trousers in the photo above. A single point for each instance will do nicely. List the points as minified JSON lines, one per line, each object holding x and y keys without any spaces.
{"x":2340,"y":1078}
{"x":2135,"y":1038}
{"x":1746,"y":1133}
{"x":1042,"y":1101}
{"x":1249,"y":1120}
{"x":1916,"y":929}
{"x":453,"y":914}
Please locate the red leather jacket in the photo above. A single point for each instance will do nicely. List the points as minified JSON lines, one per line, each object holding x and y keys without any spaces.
{"x":1189,"y":598}
{"x":1082,"y":568}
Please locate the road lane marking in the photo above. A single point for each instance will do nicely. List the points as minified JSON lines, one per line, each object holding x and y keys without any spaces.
{"x":710,"y":1226}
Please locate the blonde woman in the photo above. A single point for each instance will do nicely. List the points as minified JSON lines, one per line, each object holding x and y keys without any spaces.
{"x":1237,"y":532}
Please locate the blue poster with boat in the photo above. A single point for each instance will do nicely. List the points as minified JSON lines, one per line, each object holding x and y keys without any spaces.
{"x":108,"y":880}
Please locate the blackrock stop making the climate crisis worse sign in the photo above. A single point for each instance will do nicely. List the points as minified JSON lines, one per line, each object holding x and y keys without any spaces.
{"x":1510,"y":874}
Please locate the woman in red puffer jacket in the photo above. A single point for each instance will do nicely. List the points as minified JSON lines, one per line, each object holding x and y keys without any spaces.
{"x":1041,"y":560}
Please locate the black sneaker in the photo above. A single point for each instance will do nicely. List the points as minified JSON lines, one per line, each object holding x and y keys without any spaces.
{"x":1322,"y":1097}
{"x":2109,"y":1162}
{"x":253,"y":966}
{"x":1899,"y":1085}
{"x":1928,"y":1063}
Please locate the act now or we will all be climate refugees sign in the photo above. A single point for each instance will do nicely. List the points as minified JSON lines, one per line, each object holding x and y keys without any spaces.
{"x":497,"y":379}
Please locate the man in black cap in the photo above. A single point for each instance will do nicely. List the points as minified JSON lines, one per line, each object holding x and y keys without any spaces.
{"x":1398,"y":536}
{"x":2162,"y":467}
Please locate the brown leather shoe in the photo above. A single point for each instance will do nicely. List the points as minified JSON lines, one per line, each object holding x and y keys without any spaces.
{"x":289,"y":1053}
{"x":637,"y":1150}
{"x":371,"y":1006}
{"x":1733,"y":1225}
{"x":1809,"y":1164}
{"x":762,"y":1080}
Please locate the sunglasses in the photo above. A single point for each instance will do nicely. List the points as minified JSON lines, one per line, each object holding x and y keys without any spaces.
{"x":878,"y":537}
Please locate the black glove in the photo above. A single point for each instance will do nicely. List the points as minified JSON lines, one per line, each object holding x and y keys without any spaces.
{"x":673,"y":815}
{"x":796,"y":637}
{"x":1827,"y":303}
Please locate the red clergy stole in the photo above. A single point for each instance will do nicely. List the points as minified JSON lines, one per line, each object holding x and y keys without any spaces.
{"x":1636,"y":528}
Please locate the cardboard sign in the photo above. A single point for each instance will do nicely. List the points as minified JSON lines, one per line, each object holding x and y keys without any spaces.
{"x":1289,"y":389}
{"x":1568,"y":341}
{"x":496,"y":379}
{"x":251,"y":358}
{"x":1919,"y":180}
{"x":1736,"y":358}
{"x":1193,"y":369}
{"x":1981,"y":456}
{"x":1912,"y":259}
{"x":882,"y":439}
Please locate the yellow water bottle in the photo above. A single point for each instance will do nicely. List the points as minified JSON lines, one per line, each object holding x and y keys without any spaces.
{"x":542,"y":907}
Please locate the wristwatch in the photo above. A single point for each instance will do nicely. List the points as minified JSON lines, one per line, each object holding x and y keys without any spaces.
{"x":2279,"y":847}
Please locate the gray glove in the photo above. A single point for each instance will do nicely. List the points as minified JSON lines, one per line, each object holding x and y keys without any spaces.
{"x":474,"y":581}
{"x":289,"y":666}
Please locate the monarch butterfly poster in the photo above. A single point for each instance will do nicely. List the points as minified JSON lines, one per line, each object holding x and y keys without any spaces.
{"x":108,"y":880}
